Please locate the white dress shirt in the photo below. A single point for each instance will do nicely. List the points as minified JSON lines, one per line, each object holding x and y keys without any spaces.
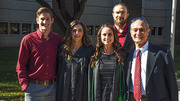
{"x":144,"y":55}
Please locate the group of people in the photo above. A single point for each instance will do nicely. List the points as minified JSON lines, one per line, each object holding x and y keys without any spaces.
{"x":122,"y":66}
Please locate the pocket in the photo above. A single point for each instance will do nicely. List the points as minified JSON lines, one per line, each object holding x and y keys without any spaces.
{"x":29,"y":87}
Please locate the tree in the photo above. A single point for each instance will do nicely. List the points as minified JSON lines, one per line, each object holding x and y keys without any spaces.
{"x":79,"y":6}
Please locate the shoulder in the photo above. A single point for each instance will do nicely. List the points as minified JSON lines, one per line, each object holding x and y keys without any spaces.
{"x":158,"y":49}
{"x":57,"y":36}
{"x":29,"y":36}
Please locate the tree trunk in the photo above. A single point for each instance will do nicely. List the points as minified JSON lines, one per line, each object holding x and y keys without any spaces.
{"x":79,"y":7}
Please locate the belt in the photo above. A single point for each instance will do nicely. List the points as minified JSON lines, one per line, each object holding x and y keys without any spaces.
{"x":46,"y":82}
{"x":143,"y":97}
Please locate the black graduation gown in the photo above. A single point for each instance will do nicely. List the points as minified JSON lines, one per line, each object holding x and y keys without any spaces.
{"x":97,"y":87}
{"x":73,"y":76}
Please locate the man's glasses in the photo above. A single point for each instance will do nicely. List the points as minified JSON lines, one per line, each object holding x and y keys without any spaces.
{"x":141,"y":18}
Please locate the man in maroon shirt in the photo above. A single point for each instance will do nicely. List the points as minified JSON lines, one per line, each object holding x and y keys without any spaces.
{"x":120,"y":14}
{"x":36,"y":65}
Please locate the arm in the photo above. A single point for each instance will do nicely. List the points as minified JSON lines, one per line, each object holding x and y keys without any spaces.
{"x":170,"y":77}
{"x":22,"y":64}
{"x":90,"y":73}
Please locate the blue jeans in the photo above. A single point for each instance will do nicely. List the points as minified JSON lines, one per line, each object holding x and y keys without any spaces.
{"x":36,"y":92}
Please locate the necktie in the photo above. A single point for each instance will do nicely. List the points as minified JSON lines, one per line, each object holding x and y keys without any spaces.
{"x":137,"y":77}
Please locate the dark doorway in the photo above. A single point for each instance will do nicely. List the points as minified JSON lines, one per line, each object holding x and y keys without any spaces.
{"x":134,"y":7}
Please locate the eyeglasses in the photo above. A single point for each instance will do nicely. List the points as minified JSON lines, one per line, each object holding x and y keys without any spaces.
{"x":140,"y":18}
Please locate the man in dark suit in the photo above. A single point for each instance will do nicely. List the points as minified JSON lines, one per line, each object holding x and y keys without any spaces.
{"x":120,"y":14}
{"x":150,"y":69}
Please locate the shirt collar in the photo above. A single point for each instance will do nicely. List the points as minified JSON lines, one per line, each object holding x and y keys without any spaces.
{"x":143,"y":48}
{"x":40,"y":34}
{"x":124,"y":30}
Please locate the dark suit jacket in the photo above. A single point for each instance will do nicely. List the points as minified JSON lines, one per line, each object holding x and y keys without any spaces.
{"x":161,"y":82}
{"x":128,"y":43}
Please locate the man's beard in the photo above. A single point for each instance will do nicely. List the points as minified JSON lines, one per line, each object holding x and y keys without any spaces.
{"x":120,"y":24}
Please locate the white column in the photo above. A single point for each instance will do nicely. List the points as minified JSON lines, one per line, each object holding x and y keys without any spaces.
{"x":173,"y":22}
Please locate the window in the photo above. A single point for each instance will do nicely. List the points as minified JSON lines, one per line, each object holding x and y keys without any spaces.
{"x":160,"y":30}
{"x":35,"y":27}
{"x":3,"y":28}
{"x":14,"y":28}
{"x":89,"y":30}
{"x":153,"y":30}
{"x":26,"y":28}
{"x":97,"y":29}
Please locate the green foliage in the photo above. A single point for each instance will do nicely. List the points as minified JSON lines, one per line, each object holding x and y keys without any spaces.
{"x":11,"y":91}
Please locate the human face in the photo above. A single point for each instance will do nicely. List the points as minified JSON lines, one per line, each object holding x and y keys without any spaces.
{"x":107,"y":36}
{"x":45,"y":21}
{"x":120,"y":15}
{"x":77,"y":33}
{"x":139,"y":33}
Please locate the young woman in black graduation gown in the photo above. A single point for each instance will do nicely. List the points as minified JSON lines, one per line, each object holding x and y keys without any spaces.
{"x":73,"y":59}
{"x":106,"y":72}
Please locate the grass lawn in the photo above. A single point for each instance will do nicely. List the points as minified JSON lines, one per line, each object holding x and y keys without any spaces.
{"x":9,"y":86}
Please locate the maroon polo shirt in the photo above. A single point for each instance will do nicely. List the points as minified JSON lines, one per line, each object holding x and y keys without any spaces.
{"x":37,"y":57}
{"x":121,"y":36}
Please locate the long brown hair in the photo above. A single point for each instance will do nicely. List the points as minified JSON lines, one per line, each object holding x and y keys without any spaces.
{"x":117,"y":46}
{"x":68,"y":39}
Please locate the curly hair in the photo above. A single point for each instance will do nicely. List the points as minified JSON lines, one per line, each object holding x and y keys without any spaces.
{"x":68,"y":39}
{"x":117,"y":46}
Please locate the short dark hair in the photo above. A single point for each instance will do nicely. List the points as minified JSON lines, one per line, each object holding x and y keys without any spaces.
{"x":121,"y":4}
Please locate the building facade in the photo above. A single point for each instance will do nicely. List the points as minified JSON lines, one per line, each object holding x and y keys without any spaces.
{"x":18,"y":18}
{"x":177,"y":35}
